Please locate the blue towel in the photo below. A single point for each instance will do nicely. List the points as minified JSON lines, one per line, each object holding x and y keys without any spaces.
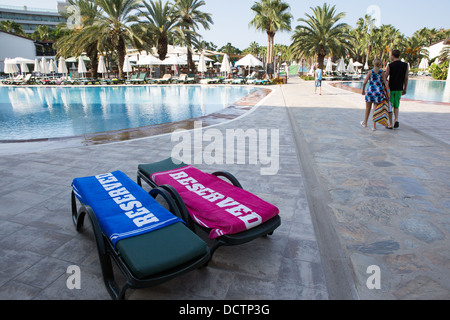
{"x":122,"y":207}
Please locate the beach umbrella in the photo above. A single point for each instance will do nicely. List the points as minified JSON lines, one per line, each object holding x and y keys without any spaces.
{"x":6,"y":68}
{"x":52,"y":66}
{"x":20,"y":60}
{"x":127,"y":65}
{"x":423,"y":64}
{"x":24,"y":67}
{"x":149,"y":60}
{"x":196,"y":57}
{"x":44,"y":66}
{"x":366,"y":66}
{"x":37,"y":66}
{"x":202,"y":64}
{"x":249,"y":61}
{"x":173,"y":60}
{"x":329,"y":66}
{"x":226,"y":65}
{"x":81,"y":66}
{"x":62,"y":67}
{"x":75,"y":59}
{"x":350,"y":67}
{"x":102,"y":66}
{"x":341,"y":65}
{"x":357,"y":64}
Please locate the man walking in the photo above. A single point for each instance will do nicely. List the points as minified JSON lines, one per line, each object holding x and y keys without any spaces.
{"x":397,"y":74}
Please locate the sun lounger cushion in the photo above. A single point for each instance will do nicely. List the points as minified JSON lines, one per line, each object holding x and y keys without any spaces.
{"x":216,"y":204}
{"x":161,"y":250}
{"x":122,"y":207}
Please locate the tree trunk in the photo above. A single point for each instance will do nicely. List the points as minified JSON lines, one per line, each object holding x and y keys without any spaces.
{"x":92,"y":54}
{"x":320,"y":60}
{"x":270,"y":57}
{"x":162,"y":52}
{"x":120,"y":50}
{"x":190,"y":61}
{"x":369,"y":47}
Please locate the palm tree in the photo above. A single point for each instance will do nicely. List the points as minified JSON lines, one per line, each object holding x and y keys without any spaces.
{"x":83,"y":38}
{"x":271,"y":16}
{"x":12,"y":27}
{"x":191,"y":17}
{"x":414,"y":50}
{"x":162,"y":25}
{"x":252,"y":49}
{"x":322,"y":35}
{"x":115,"y":27}
{"x":42,"y":32}
{"x":387,"y":38}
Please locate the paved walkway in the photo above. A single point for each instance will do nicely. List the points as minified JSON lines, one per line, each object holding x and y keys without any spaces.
{"x":349,"y":198}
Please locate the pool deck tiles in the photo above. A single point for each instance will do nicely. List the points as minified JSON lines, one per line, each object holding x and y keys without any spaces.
{"x":349,"y":199}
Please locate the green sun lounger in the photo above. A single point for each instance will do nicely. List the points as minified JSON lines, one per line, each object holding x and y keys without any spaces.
{"x":147,"y":258}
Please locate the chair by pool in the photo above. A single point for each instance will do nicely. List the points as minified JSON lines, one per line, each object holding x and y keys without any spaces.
{"x":165,"y":79}
{"x":220,"y":232}
{"x":149,"y":244}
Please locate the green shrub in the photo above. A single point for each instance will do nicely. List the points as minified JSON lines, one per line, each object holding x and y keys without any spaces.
{"x":307,"y":78}
{"x":439,"y":71}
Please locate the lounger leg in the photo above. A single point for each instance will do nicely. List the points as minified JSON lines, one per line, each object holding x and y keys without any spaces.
{"x":213,"y":249}
{"x":103,"y":254}
{"x":139,"y":181}
{"x":77,"y":217}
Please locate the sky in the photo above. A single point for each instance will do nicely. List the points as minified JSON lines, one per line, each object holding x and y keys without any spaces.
{"x":232,"y":17}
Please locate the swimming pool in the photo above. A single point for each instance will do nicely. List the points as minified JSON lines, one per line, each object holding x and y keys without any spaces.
{"x":28,"y":113}
{"x":425,"y":90}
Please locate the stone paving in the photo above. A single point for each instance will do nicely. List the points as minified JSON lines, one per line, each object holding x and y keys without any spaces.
{"x":384,"y":194}
{"x":389,"y":190}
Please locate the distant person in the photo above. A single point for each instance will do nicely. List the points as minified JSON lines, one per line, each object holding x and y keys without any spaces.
{"x":318,"y":78}
{"x":375,"y":93}
{"x":397,"y":72}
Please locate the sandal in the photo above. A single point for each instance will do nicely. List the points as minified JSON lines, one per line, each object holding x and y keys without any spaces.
{"x":363,"y":125}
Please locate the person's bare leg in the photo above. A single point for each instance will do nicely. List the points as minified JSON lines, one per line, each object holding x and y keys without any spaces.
{"x":396,"y":114}
{"x":391,"y":124}
{"x":366,"y":117}
{"x":374,"y":128}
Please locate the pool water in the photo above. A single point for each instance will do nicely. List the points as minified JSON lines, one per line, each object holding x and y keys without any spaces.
{"x":49,"y":112}
{"x":424,"y":90}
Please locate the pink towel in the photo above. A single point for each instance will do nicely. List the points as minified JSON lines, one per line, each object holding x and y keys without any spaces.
{"x":216,"y":204}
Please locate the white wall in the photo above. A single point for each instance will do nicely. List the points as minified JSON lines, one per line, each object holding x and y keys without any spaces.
{"x":12,"y":46}
{"x":435,"y":50}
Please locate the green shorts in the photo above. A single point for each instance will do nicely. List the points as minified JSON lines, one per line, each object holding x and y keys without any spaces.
{"x":396,"y":96}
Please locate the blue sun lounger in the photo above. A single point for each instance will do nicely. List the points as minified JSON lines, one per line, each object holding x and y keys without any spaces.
{"x":148,"y":243}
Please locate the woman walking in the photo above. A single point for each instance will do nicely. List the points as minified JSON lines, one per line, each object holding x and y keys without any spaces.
{"x":375,"y":94}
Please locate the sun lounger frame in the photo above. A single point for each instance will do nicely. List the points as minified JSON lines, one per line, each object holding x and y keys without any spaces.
{"x":107,"y":253}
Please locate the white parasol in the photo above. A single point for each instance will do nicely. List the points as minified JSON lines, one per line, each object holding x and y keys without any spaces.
{"x":226,"y":65}
{"x":62,"y":68}
{"x":81,"y":66}
{"x":102,"y":66}
{"x":127,"y":65}
{"x":44,"y":66}
{"x":202,"y":64}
